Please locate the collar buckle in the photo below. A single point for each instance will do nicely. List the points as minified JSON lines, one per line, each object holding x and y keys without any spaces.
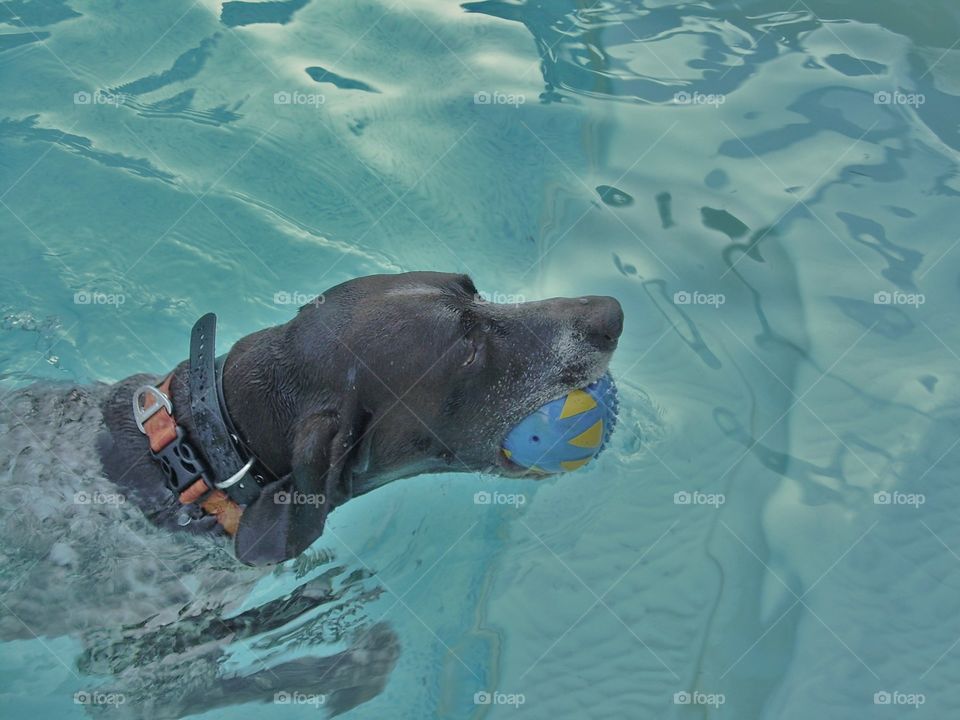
{"x":141,"y":412}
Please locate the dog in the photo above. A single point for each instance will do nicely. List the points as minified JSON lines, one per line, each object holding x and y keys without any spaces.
{"x":381,"y":378}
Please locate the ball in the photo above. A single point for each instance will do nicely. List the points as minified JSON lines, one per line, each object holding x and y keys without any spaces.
{"x":566,"y":433}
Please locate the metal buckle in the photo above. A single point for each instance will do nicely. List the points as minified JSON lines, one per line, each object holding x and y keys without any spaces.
{"x":142,"y":414}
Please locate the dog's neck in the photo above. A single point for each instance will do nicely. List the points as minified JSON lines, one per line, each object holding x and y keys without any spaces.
{"x":258,"y":392}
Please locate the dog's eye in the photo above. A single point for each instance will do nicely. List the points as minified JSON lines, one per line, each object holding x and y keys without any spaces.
{"x":473,"y":354}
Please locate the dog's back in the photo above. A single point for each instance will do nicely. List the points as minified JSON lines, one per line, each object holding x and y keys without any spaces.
{"x":152,"y":608}
{"x":75,"y":553}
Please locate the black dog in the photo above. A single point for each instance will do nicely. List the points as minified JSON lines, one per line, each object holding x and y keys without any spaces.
{"x":390,"y":376}
{"x":382,"y":378}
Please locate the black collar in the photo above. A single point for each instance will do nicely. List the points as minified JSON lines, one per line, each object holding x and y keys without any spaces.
{"x":212,"y":467}
{"x":231,"y":464}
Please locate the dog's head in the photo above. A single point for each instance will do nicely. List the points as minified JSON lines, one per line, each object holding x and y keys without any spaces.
{"x":391,"y":376}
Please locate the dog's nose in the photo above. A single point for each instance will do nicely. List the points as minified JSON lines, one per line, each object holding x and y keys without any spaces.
{"x":604,"y":320}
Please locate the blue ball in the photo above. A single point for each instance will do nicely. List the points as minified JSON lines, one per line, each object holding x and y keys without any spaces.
{"x":566,"y":433}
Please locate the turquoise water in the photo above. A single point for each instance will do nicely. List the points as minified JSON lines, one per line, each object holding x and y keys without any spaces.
{"x":770,"y":189}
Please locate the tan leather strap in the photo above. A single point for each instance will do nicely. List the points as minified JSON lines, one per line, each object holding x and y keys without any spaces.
{"x":161,"y":430}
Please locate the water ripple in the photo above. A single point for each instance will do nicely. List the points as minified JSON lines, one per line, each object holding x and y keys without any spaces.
{"x":635,"y":52}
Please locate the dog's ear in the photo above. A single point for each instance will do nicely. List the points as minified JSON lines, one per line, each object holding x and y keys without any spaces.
{"x":291,"y":512}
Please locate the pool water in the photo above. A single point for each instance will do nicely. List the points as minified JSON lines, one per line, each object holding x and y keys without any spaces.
{"x":769,"y":187}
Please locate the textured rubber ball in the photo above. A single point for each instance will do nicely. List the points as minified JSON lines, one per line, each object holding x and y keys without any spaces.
{"x":566,"y":433}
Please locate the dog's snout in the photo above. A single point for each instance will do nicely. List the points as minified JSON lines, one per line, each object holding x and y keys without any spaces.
{"x":604,"y":320}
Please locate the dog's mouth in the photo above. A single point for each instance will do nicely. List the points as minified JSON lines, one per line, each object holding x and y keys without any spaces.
{"x":505,"y":464}
{"x":508,"y":468}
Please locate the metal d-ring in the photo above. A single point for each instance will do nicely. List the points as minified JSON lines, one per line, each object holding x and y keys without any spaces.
{"x":236,"y":477}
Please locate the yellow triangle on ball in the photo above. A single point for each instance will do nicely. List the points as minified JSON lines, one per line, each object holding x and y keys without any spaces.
{"x":569,"y":465}
{"x":577,"y":402}
{"x":589,"y":438}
